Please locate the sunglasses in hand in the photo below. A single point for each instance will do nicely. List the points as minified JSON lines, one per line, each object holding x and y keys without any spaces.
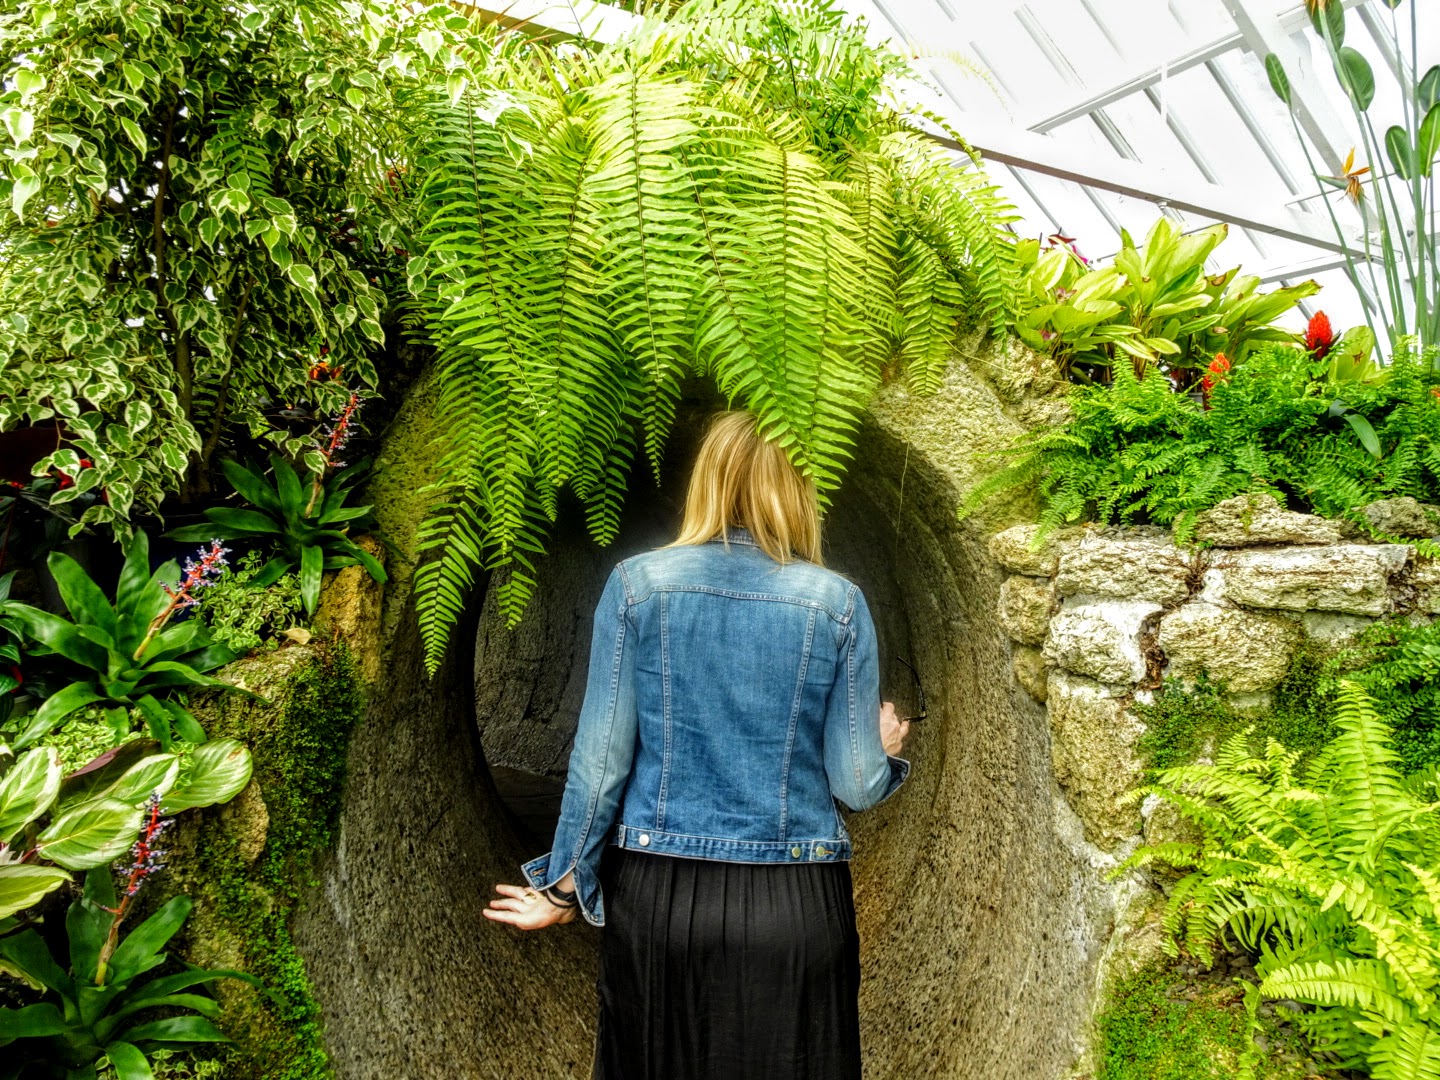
{"x":923,"y":711}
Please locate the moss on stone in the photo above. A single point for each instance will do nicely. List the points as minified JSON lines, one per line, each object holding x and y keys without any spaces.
{"x":1168,"y":1023}
{"x":1184,"y":725}
{"x":248,"y":864}
{"x":407,"y":461}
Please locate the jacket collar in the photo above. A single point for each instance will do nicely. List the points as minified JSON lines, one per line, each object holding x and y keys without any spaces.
{"x":737,"y":535}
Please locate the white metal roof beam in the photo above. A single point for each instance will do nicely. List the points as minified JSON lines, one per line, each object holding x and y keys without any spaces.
{"x":1006,"y":144}
{"x":1039,"y":153}
{"x":1266,"y":33}
{"x":1143,"y":77}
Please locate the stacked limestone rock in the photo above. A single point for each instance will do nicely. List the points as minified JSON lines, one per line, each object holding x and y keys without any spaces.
{"x":1101,"y":617}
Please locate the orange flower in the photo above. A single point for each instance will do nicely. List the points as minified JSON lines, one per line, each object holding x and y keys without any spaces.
{"x":1351,"y":176}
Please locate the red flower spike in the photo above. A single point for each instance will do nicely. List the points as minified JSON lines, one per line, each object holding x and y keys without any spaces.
{"x":1319,"y":336}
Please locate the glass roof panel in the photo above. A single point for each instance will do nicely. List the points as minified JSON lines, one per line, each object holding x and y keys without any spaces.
{"x":1168,"y":100}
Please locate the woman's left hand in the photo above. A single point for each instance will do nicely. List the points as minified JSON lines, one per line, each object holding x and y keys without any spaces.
{"x":527,"y":909}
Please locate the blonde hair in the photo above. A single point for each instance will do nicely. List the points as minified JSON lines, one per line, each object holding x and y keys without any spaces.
{"x":743,"y":479}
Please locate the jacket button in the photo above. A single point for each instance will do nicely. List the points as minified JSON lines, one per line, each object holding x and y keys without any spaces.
{"x":795,"y":852}
{"x":644,"y":839}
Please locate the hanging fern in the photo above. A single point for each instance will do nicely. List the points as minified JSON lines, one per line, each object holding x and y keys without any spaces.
{"x":723,"y":197}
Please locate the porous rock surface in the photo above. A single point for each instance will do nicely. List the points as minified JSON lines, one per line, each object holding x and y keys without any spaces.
{"x":1145,"y":568}
{"x":1025,"y":604}
{"x":1101,"y":638}
{"x":1093,"y":750}
{"x":984,"y":911}
{"x":1244,"y":650}
{"x":1405,"y":516}
{"x":1257,"y":518}
{"x":1352,"y":578}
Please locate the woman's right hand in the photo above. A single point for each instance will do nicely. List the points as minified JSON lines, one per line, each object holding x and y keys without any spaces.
{"x":892,"y":729}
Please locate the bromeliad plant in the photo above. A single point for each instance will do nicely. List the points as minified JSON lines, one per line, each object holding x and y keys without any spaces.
{"x":125,"y":653}
{"x":101,"y":1006}
{"x":307,"y":523}
{"x":52,"y":824}
{"x":1329,"y":877}
{"x":1155,"y":306}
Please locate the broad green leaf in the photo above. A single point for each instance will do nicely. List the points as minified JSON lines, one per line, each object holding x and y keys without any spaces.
{"x":27,"y":952}
{"x":1328,"y":19}
{"x":31,"y":1022}
{"x":134,"y":133}
{"x":303,"y":277}
{"x":24,"y":190}
{"x":1428,"y":141}
{"x":90,"y":834}
{"x":56,"y":708}
{"x":218,"y":770}
{"x":1365,"y":432}
{"x":1397,"y":146}
{"x":28,"y":789}
{"x":82,"y":597}
{"x":127,"y":1060}
{"x":23,"y":885}
{"x":133,"y":786}
{"x":1353,"y":71}
{"x":29,"y":82}
{"x":1428,"y":89}
{"x":193,"y":1029}
{"x":312,"y":557}
{"x":147,"y":940}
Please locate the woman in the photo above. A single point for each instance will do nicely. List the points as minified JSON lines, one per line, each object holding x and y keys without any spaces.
{"x":732,"y":699}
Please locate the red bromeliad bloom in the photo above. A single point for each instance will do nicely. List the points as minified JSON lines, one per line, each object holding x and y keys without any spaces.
{"x":1217,"y":371}
{"x":1319,"y":336}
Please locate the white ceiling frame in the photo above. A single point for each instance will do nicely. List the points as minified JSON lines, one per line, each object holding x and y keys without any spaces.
{"x":1051,"y":157}
{"x":1009,"y":145}
{"x":1266,"y":33}
{"x":1143,"y":77}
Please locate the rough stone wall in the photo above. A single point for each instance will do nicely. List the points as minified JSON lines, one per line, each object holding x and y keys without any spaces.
{"x":1099,"y":617}
{"x":986,"y":916}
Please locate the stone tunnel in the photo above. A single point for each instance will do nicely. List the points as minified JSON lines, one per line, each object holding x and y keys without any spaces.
{"x":983,"y":913}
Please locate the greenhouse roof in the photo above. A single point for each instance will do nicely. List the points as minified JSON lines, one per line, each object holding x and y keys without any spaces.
{"x":1093,"y":113}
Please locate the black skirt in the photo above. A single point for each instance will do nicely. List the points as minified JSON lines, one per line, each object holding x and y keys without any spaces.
{"x":727,"y":971}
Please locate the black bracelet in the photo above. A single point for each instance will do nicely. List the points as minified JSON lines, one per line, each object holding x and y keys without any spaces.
{"x":565,"y":899}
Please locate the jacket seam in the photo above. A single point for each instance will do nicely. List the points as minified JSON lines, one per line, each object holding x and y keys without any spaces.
{"x":594,"y":802}
{"x":731,"y":840}
{"x":775,"y":597}
{"x":794,"y":722}
{"x":665,"y":711}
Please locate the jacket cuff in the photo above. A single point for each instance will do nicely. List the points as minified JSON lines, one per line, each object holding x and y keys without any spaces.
{"x":899,"y":770}
{"x":587,"y":886}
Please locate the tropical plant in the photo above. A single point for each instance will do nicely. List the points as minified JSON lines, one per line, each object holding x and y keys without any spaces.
{"x":122,"y":654}
{"x":1135,"y":451}
{"x":102,"y":1008}
{"x":242,"y":617}
{"x":51,"y":824}
{"x":308,"y":523}
{"x":1327,"y":877}
{"x":724,"y":193}
{"x":1155,"y":306}
{"x":195,"y":204}
{"x":1401,"y":298}
{"x":10,"y":651}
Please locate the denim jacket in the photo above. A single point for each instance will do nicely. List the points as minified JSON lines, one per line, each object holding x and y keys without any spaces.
{"x":730,"y":702}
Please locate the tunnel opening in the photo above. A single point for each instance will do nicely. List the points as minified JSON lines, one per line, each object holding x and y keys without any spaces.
{"x":981,"y":909}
